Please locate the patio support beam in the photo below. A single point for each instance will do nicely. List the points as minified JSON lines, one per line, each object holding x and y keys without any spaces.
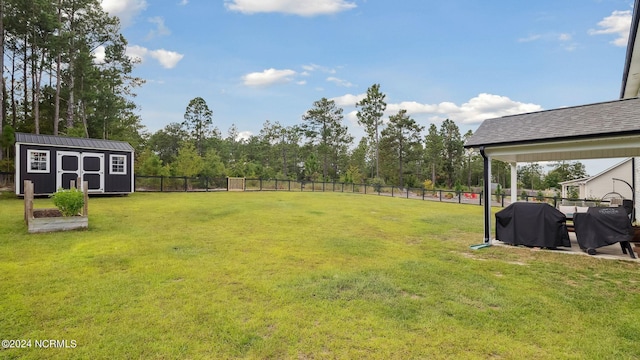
{"x":486,"y":192}
{"x":514,"y":182}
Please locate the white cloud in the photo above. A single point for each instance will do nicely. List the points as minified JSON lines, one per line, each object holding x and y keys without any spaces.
{"x":160,"y":30}
{"x":137,"y":52}
{"x":339,"y":82}
{"x":268,"y":77}
{"x":482,"y":107}
{"x":99,"y":54}
{"x":126,"y":10}
{"x":167,"y":59}
{"x":618,"y":23}
{"x":183,"y":2}
{"x":295,"y":7}
{"x":487,"y":106}
{"x":530,"y":38}
{"x":244,"y":135}
{"x":315,"y":67}
{"x":348,"y":99}
{"x":564,"y":37}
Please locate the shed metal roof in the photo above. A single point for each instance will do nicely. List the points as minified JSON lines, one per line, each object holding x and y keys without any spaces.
{"x":599,"y":120}
{"x":65,"y":141}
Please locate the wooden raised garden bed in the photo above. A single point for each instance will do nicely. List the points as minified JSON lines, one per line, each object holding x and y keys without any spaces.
{"x":49,"y":220}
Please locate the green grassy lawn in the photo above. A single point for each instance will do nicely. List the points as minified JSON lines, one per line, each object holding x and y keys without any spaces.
{"x":302,"y":275}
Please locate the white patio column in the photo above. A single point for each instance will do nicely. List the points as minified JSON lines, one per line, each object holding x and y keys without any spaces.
{"x":514,"y":182}
{"x":636,"y":168}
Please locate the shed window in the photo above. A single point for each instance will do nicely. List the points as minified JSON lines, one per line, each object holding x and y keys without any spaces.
{"x":38,"y":161}
{"x":118,"y":164}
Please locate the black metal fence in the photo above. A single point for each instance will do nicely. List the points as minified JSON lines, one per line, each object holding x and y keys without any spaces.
{"x":203,"y":184}
{"x":7,"y":181}
{"x":195,"y":184}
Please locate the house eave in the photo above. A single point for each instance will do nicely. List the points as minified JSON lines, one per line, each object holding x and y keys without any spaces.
{"x":612,"y":146}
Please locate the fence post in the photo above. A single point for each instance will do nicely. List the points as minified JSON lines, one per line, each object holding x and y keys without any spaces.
{"x":185,"y":184}
{"x":407,"y":193}
{"x":480,"y":198}
{"x":391,"y":192}
{"x":459,"y":197}
{"x":162,"y":183}
{"x":365,"y":189}
{"x":440,"y":195}
{"x":502,"y":198}
{"x":276,"y":184}
{"x":423,"y":190}
{"x":260,"y":184}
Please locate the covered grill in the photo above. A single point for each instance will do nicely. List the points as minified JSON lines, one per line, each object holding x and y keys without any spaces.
{"x":532,"y":224}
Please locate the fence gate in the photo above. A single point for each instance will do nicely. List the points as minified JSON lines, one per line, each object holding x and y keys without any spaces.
{"x":235,"y":184}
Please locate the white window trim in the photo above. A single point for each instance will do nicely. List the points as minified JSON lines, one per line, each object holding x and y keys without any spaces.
{"x":30,"y":153}
{"x":124,"y":165}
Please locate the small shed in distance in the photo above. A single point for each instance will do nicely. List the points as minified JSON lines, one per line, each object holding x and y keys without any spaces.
{"x":51,"y":162}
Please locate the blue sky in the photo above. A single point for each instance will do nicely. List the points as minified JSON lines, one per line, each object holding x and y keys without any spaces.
{"x":466,"y":60}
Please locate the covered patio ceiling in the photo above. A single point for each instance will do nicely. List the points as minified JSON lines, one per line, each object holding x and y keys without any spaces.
{"x":581,"y":149}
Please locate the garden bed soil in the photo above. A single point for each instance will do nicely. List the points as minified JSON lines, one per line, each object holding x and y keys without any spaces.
{"x":44,"y":213}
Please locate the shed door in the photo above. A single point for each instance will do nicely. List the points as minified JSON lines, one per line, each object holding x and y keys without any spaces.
{"x":88,"y":166}
{"x":68,"y":168}
{"x":93,"y":171}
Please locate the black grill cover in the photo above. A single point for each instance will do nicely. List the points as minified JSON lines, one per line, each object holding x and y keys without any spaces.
{"x":532,"y":224}
{"x":602,"y":226}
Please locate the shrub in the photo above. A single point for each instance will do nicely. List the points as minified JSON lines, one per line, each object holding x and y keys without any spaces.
{"x":499,"y":192}
{"x":377,"y":184}
{"x":69,"y":202}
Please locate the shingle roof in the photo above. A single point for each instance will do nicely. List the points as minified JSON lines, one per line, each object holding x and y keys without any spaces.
{"x":617,"y":117}
{"x":73,"y":142}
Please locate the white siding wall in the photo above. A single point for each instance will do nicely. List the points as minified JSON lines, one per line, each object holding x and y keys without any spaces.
{"x":603,"y":184}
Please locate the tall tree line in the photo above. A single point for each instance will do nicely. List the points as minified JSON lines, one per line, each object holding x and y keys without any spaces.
{"x":54,"y":83}
{"x":319,"y":148}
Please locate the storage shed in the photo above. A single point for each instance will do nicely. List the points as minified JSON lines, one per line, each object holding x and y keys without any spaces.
{"x":51,"y":162}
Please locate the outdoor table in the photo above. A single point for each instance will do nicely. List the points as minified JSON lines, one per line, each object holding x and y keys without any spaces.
{"x":603,"y":226}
